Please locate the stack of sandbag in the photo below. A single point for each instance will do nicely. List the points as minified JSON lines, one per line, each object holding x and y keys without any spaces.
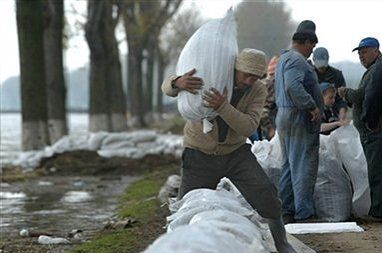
{"x":211,"y":51}
{"x":350,"y":152}
{"x":206,"y":220}
{"x":342,"y":183}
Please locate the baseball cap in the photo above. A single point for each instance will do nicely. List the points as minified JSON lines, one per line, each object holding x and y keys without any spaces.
{"x":325,"y":86}
{"x":321,"y":57}
{"x":367,"y":42}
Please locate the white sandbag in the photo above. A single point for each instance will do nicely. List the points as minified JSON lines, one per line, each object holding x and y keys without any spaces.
{"x":211,"y":51}
{"x":268,"y":153}
{"x":169,"y":189}
{"x":332,"y":192}
{"x":117,"y":141}
{"x":201,"y":193}
{"x":142,"y":136}
{"x":198,"y":239}
{"x":95,"y":140}
{"x":350,"y":152}
{"x":239,"y":226}
{"x":227,"y":185}
{"x":203,"y":200}
{"x":245,"y":235}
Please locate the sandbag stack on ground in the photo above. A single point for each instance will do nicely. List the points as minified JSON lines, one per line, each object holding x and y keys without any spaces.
{"x":342,"y":185}
{"x":206,"y":220}
{"x":134,"y":144}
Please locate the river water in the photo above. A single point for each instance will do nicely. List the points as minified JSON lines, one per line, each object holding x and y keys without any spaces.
{"x":10,"y":134}
{"x":54,"y":204}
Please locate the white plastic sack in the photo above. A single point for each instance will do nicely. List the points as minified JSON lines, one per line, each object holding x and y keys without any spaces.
{"x":198,"y":239}
{"x":239,"y":226}
{"x":201,"y":200}
{"x":211,"y":51}
{"x":350,"y":152}
{"x":268,"y":154}
{"x":332,"y":192}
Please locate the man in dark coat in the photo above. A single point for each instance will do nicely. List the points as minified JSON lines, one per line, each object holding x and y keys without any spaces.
{"x":363,"y":100}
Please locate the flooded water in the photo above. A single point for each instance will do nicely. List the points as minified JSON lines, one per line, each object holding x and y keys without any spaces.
{"x":59,"y":204}
{"x":10,"y":134}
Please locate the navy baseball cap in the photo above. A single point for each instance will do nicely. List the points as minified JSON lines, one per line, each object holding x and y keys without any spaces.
{"x":325,"y":86}
{"x":367,"y":42}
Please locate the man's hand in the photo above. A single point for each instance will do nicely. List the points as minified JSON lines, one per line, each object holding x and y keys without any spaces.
{"x":213,"y":98}
{"x":342,"y":91}
{"x":189,"y":82}
{"x":315,"y":114}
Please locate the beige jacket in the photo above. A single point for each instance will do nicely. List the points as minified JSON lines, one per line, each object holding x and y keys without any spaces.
{"x":242,"y":121}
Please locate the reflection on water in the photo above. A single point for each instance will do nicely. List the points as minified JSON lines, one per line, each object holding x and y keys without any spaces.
{"x":60,"y":204}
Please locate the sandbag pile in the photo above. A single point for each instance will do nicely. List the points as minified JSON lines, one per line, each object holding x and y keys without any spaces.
{"x":342,"y":183}
{"x":135,"y":144}
{"x":211,"y":51}
{"x":211,"y":221}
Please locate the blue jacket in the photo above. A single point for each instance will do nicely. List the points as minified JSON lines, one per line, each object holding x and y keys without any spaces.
{"x":297,"y":83}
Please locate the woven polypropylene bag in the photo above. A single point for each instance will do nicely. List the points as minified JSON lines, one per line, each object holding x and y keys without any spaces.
{"x":211,"y":51}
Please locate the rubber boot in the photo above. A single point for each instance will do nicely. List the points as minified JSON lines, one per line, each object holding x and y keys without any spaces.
{"x":279,"y":236}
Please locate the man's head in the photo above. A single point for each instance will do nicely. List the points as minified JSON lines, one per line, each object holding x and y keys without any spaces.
{"x":250,"y":66}
{"x":368,"y":51}
{"x":329,"y":93}
{"x":305,"y":38}
{"x":321,"y":59}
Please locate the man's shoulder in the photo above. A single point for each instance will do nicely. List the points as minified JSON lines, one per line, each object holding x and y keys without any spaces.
{"x":334,"y":70}
{"x":259,"y":88}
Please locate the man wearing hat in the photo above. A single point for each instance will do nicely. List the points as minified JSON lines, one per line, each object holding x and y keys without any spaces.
{"x":371,"y":135}
{"x":329,"y":74}
{"x":299,"y":103}
{"x":223,"y":152}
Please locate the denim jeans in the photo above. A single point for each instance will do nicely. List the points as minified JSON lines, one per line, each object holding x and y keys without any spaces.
{"x":299,"y":139}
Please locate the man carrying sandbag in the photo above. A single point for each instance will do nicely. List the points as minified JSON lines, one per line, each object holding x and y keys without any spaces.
{"x":223,"y":151}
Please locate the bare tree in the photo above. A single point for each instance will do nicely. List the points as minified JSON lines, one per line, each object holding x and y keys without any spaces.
{"x":172,"y":39}
{"x":107,"y":99}
{"x":54,"y":70}
{"x":30,"y":29}
{"x":265,"y":25}
{"x":143,"y":21}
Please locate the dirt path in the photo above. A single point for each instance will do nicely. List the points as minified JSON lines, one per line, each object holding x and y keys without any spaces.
{"x":369,"y":241}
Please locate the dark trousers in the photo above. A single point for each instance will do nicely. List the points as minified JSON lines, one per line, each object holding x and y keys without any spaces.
{"x":372,"y":146}
{"x":200,"y":170}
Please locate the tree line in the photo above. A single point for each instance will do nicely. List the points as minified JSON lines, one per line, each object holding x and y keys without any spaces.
{"x":155,"y":32}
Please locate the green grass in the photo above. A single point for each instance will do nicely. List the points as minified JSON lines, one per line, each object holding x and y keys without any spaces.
{"x":139,"y":203}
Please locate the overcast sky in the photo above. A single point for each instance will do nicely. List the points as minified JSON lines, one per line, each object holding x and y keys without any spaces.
{"x":341,"y":24}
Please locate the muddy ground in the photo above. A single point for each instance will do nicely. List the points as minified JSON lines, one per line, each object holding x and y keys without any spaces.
{"x":89,"y":163}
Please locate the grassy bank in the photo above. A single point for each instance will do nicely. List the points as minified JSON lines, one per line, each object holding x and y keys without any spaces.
{"x":138,"y":203}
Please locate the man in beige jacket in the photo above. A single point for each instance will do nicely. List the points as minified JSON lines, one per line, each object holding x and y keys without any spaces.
{"x":223,"y":152}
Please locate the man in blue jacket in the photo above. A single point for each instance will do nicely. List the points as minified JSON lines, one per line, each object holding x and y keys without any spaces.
{"x":299,"y":101}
